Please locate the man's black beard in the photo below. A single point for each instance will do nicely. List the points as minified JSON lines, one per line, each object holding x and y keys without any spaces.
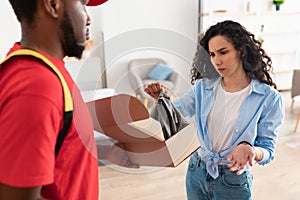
{"x":71,"y":48}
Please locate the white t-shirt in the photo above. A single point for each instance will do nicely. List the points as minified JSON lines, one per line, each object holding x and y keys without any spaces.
{"x":223,"y":116}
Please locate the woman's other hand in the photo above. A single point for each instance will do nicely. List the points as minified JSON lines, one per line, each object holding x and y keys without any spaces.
{"x":240,"y":157}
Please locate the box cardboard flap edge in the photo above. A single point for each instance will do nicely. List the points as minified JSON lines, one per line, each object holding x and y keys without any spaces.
{"x":183,"y":144}
{"x":126,"y":119}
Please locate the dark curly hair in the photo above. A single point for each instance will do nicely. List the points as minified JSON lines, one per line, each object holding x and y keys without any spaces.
{"x":256,"y":63}
{"x":24,"y":9}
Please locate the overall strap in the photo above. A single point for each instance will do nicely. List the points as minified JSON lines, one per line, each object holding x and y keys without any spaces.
{"x":68,"y":102}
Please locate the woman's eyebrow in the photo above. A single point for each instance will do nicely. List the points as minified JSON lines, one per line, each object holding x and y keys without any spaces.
{"x":221,"y":49}
{"x":218,"y":50}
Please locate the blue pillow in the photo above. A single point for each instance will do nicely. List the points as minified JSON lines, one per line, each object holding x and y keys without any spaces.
{"x":160,"y":72}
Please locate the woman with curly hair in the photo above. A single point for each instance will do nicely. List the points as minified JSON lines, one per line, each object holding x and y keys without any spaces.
{"x":237,"y":111}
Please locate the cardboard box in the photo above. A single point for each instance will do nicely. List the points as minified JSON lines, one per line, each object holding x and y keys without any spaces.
{"x":124,"y":118}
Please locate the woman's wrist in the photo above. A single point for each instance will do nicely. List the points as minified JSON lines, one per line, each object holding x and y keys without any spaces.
{"x":247,"y":143}
{"x":258,"y":154}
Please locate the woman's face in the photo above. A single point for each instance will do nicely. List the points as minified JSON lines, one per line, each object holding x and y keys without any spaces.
{"x":224,"y":57}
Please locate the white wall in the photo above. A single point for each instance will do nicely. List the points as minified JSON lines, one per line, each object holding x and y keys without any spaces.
{"x":144,"y":28}
{"x":10,"y":30}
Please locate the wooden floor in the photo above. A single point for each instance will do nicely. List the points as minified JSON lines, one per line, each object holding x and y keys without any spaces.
{"x":143,"y":184}
{"x":279,"y":180}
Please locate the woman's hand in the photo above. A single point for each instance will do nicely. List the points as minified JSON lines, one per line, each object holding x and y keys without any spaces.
{"x":240,"y":157}
{"x":154,"y":89}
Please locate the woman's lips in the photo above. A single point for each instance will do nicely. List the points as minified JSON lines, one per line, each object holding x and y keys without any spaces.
{"x":221,"y":70}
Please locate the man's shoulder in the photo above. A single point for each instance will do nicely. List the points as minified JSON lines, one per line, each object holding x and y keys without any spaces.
{"x":27,"y":75}
{"x":28,"y":66}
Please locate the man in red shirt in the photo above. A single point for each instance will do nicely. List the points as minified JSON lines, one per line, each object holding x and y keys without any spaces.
{"x":31,"y":109}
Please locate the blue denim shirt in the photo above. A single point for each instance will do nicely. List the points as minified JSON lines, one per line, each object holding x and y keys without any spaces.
{"x":260,"y":117}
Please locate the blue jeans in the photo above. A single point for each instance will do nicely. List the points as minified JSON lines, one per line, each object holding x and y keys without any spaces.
{"x":227,"y":186}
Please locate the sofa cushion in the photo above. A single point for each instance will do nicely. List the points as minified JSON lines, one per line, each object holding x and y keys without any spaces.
{"x":160,"y":72}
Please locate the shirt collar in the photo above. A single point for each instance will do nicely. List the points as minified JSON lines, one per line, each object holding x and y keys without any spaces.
{"x":257,"y":86}
{"x":210,"y":84}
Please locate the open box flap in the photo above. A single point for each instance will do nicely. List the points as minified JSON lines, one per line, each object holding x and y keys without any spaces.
{"x":169,"y":153}
{"x":183,"y":144}
{"x":126,"y":119}
{"x":149,"y":126}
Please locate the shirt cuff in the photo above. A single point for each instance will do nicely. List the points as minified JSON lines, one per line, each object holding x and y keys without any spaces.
{"x":265,"y":157}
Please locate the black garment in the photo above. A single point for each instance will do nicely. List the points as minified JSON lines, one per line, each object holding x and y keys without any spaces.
{"x":169,"y":117}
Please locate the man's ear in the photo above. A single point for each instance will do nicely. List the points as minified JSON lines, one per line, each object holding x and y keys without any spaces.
{"x":52,"y":7}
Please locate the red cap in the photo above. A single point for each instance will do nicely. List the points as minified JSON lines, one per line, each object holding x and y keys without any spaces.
{"x":96,"y":2}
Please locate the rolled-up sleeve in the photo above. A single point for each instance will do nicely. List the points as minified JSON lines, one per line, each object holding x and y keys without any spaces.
{"x":268,"y":126}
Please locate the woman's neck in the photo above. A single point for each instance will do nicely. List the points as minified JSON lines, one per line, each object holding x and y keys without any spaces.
{"x":234,"y":85}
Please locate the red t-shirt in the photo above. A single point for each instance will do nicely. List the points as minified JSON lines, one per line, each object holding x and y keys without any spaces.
{"x":31,"y":111}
